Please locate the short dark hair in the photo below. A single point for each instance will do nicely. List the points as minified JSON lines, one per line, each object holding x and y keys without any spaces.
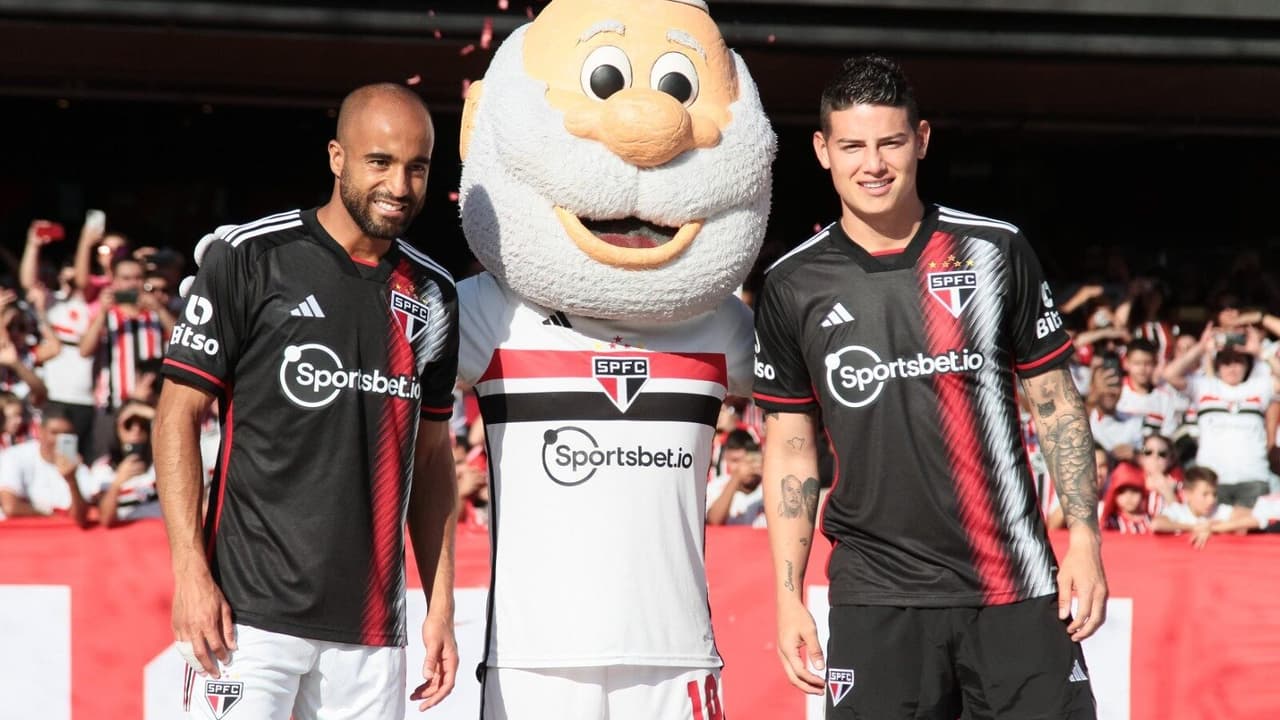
{"x":1143,"y":345}
{"x":123,"y":258}
{"x":1199,"y":474}
{"x":868,"y":80}
{"x":740,"y":440}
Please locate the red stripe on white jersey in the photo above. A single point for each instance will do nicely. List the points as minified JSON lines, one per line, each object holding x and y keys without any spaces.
{"x":514,"y":364}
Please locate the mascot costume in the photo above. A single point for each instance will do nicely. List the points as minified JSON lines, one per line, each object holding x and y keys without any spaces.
{"x":615,"y":187}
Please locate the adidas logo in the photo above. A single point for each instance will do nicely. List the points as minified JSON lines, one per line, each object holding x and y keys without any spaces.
{"x":557,"y":319}
{"x":308,"y":308}
{"x":1077,"y":673}
{"x":837,"y":316}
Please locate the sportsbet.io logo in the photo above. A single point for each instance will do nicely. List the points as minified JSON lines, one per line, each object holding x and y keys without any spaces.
{"x":856,"y":375}
{"x":571,"y":456}
{"x":312,"y":376}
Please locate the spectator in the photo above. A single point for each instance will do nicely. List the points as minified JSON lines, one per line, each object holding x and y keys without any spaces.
{"x":1230,"y":410}
{"x":18,"y":343}
{"x":98,"y":250}
{"x":36,"y":478}
{"x":1125,"y":507}
{"x":17,"y":424}
{"x":471,"y":467}
{"x":737,"y":498}
{"x":1199,"y":510}
{"x":1119,"y":433}
{"x":1054,"y":518}
{"x":1140,"y":396}
{"x":124,"y":480}
{"x":732,"y":450}
{"x":126,"y":333}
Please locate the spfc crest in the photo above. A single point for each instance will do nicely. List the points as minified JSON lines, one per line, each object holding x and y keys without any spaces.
{"x":222,"y":696}
{"x":839,"y":683}
{"x":621,"y":377}
{"x":953,"y":289}
{"x":412,"y":315}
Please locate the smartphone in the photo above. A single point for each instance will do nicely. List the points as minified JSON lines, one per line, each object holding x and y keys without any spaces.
{"x":95,"y":220}
{"x":127,"y":297}
{"x":50,"y":231}
{"x":1227,"y":339}
{"x":67,"y":445}
{"x":1111,"y":361}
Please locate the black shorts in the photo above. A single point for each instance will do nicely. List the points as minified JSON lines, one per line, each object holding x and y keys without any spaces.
{"x":1004,"y":661}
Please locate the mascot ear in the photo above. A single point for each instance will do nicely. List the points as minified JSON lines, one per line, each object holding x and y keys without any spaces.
{"x":469,"y":108}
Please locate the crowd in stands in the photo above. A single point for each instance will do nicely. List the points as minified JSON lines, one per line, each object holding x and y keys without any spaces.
{"x":1183,"y":398}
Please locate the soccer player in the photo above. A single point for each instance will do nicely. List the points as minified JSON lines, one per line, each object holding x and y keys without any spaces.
{"x":906,"y":324}
{"x":331,"y":346}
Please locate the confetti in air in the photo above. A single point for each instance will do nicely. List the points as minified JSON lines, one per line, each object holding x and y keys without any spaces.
{"x":466,"y":85}
{"x":486,"y":34}
{"x":468,"y":49}
{"x":413,"y":80}
{"x":453,"y":196}
{"x":502,"y":4}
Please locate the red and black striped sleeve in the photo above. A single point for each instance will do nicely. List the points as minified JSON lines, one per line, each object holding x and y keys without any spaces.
{"x":782,"y":381}
{"x":206,"y":341}
{"x":1040,"y":342}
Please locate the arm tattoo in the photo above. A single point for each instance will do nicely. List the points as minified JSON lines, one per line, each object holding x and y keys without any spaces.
{"x":796,"y":443}
{"x":1068,"y":445}
{"x":771,"y":416}
{"x":792,"y":504}
{"x":810,"y":492}
{"x":791,"y":586}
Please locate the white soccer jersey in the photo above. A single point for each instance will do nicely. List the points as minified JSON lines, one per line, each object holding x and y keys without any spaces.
{"x":1158,"y":408}
{"x":599,"y":436}
{"x":1233,"y":433}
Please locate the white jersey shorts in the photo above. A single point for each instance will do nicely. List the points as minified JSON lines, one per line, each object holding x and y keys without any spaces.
{"x":272,"y":676}
{"x":617,"y":692}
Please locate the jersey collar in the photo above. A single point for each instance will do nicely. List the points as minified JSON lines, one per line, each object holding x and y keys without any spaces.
{"x":348,"y":266}
{"x":885,"y":263}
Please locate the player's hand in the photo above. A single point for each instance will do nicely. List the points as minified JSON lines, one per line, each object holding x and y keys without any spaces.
{"x":1081,"y":573}
{"x":798,"y":645}
{"x":202,"y":625}
{"x":440,"y":669}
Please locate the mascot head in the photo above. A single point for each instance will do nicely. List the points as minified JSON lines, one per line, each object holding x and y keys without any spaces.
{"x":617,"y":161}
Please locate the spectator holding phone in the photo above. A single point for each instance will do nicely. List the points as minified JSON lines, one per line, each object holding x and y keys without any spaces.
{"x":100,"y":248}
{"x":1119,"y":432}
{"x":124,"y":480}
{"x":40,"y":476}
{"x":18,"y":342}
{"x":1231,"y":405}
{"x":17,"y":423}
{"x":1140,"y":394}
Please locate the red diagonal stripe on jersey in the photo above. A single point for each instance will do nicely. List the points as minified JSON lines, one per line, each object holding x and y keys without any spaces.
{"x":515,"y":364}
{"x":228,"y":437}
{"x":388,"y":488}
{"x":960,"y":431}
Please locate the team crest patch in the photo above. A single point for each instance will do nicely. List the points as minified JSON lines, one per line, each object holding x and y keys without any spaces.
{"x":621,"y":377}
{"x":223,"y":696}
{"x":953,"y":289}
{"x":412,"y":315}
{"x":839,"y":683}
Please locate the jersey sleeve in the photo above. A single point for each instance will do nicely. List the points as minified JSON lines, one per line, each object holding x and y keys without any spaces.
{"x":480,"y":303}
{"x":207,"y":340}
{"x":739,"y":355}
{"x":1040,"y":341}
{"x":782,"y":381}
{"x":441,"y":374}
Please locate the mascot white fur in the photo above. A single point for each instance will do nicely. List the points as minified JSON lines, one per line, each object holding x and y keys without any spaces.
{"x":615,"y":187}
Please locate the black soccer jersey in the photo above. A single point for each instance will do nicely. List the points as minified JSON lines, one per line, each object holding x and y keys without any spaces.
{"x":911,"y":358}
{"x":323,"y":366}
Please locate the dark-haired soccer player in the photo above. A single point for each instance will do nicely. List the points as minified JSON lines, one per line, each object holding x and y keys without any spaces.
{"x":332,"y":347}
{"x":906,"y":325}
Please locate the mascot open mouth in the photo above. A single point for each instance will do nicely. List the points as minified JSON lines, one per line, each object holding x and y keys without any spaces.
{"x":630,"y":242}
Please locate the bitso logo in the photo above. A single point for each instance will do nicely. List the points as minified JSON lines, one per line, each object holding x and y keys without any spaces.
{"x":571,"y":456}
{"x":621,"y":377}
{"x":312,"y":376}
{"x":856,"y":375}
{"x":199,"y":310}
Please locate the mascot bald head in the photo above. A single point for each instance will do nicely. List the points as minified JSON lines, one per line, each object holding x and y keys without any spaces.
{"x":617,"y":161}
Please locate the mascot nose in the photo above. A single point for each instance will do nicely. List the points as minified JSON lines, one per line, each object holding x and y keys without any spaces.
{"x":645,"y":127}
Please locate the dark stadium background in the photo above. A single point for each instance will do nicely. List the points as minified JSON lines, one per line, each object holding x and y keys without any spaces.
{"x":1148,"y":126}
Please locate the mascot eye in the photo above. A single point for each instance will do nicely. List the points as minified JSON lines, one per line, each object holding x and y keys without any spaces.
{"x":606,"y":71}
{"x":675,"y":75}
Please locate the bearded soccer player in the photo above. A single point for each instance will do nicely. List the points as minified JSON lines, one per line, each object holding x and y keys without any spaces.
{"x":906,"y":325}
{"x":331,"y":346}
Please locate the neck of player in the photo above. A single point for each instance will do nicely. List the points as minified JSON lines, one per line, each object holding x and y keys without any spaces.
{"x":885,"y":232}
{"x":336,"y":221}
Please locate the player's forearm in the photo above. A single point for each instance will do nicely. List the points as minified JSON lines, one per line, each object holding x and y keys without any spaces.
{"x":179,"y":476}
{"x":433,"y":504}
{"x":1067,"y":442}
{"x":790,"y":499}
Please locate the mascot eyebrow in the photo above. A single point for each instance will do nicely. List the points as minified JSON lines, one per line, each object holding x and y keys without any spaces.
{"x":680,"y":37}
{"x":604,"y":26}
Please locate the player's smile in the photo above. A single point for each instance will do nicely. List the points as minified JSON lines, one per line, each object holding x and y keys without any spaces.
{"x":877,"y":188}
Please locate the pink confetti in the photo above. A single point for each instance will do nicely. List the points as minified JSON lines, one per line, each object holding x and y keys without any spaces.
{"x":438,"y":34}
{"x":817,"y":227}
{"x":486,"y":34}
{"x":453,"y":196}
{"x":466,"y":85}
{"x":772,"y":38}
{"x":528,"y":11}
{"x":502,"y":4}
{"x":413,"y":80}
{"x":468,"y":49}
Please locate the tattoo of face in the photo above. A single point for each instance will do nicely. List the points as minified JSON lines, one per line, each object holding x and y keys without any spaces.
{"x":810,"y":491}
{"x":792,"y":503}
{"x":796,"y":443}
{"x":791,"y":586}
{"x":1068,"y":446}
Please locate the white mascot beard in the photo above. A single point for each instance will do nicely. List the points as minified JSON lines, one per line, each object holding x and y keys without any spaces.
{"x":521,"y":163}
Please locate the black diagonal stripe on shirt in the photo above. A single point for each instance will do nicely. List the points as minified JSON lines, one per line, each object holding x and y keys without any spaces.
{"x":559,"y":406}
